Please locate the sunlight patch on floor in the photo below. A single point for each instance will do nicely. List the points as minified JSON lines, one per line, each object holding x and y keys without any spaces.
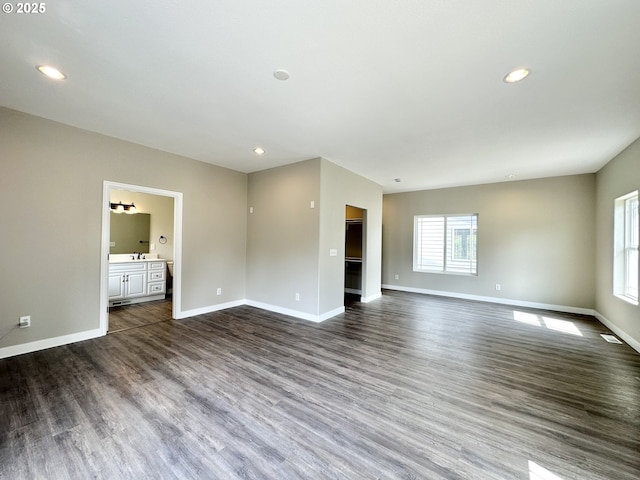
{"x":564,"y":326}
{"x":536,"y":472}
{"x":557,"y":324}
{"x":523,"y":317}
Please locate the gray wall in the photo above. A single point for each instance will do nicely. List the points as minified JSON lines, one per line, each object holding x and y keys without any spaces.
{"x":535,"y":238}
{"x":283,"y":231}
{"x":289,"y":242}
{"x":619,"y":177}
{"x":339,"y":188}
{"x":161,"y":210}
{"x":51,"y":260}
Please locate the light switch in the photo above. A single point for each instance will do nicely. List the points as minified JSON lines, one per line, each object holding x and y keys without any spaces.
{"x":333,"y":252}
{"x":312,"y":204}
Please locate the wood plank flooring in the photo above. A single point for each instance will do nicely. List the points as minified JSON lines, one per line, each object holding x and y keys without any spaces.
{"x":138,"y":315}
{"x":408,"y":386}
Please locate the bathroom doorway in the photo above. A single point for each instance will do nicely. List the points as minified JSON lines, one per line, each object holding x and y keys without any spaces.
{"x":164,"y":243}
{"x":354,"y":260}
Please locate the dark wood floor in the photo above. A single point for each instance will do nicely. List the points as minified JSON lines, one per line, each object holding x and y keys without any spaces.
{"x":409,"y":386}
{"x":138,"y":315}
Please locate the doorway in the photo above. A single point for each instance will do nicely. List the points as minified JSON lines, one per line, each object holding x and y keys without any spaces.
{"x":354,"y":253}
{"x":167,"y":231}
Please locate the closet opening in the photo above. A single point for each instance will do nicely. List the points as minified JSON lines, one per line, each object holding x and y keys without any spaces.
{"x":354,"y":253}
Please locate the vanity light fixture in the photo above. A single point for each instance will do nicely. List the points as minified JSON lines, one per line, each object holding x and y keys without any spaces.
{"x":516,"y":75}
{"x":120,"y":208}
{"x":258,"y":151}
{"x":51,"y":72}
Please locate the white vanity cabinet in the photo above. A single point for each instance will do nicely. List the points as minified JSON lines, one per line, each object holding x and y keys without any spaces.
{"x":157,"y":278}
{"x":136,"y":281}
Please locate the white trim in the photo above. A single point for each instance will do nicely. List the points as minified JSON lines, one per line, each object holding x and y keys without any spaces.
{"x":295,"y":313}
{"x":331,"y":314}
{"x":210,"y":309}
{"x":176,"y":300}
{"x":37,"y":345}
{"x":625,"y":298}
{"x":262,"y":306}
{"x":504,"y":301}
{"x":371,"y":298}
{"x":632,"y":342}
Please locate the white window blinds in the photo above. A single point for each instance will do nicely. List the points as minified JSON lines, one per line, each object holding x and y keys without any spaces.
{"x":445,"y":243}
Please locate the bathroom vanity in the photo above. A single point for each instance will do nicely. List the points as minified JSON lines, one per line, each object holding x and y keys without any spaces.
{"x":136,"y":280}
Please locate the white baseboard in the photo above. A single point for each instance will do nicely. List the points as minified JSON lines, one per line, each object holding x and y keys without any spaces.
{"x":632,"y":342}
{"x":296,"y":313}
{"x":30,"y":347}
{"x":371,"y":298}
{"x":503,"y":301}
{"x":208,"y":309}
{"x":330,"y":314}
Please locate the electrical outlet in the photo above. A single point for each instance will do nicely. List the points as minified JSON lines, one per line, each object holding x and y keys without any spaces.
{"x":297,"y":297}
{"x":397,"y":277}
{"x":219,"y":291}
{"x":25,"y":321}
{"x":498,"y":286}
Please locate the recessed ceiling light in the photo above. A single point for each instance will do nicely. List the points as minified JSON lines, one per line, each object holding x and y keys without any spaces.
{"x":51,"y":72}
{"x":258,"y":150}
{"x":281,"y":74}
{"x":516,"y":75}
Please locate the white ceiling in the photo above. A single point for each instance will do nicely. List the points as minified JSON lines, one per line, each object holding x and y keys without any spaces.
{"x":385,"y":88}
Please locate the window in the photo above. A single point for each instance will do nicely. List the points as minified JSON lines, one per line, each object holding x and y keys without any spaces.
{"x":464,"y":244}
{"x":625,"y":265}
{"x":445,"y":243}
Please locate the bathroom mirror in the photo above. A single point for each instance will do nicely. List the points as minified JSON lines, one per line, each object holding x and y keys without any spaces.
{"x":129,"y":233}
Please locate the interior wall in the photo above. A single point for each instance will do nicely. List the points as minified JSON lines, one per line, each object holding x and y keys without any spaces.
{"x":340,"y":187}
{"x":619,"y":177}
{"x":282,"y":238}
{"x":161,"y":210}
{"x":51,"y":243}
{"x":289,"y":242}
{"x":536,"y":238}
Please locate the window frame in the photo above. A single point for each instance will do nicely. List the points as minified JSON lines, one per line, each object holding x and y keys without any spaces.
{"x":625,"y":255}
{"x":446,"y":258}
